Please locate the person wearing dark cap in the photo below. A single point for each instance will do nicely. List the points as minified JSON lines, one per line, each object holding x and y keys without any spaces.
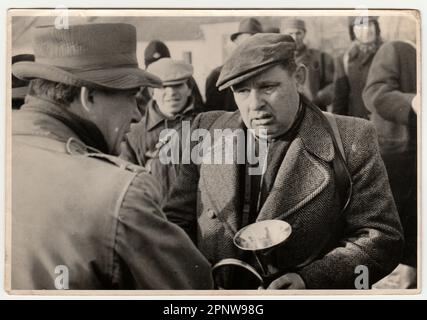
{"x":224,"y":100}
{"x":19,"y":87}
{"x":156,"y":50}
{"x":170,"y":106}
{"x":320,"y":65}
{"x":81,"y":217}
{"x":323,"y":175}
{"x":352,"y":68}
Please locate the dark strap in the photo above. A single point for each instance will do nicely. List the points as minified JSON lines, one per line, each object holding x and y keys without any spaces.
{"x":333,"y":123}
{"x":342,"y":175}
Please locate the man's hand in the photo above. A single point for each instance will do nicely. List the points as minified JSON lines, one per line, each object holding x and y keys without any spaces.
{"x":288,"y":281}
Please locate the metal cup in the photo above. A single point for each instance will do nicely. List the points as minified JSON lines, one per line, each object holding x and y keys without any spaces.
{"x":262,"y":239}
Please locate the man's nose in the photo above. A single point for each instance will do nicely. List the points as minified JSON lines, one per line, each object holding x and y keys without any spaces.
{"x":256,"y":100}
{"x":171,"y":90}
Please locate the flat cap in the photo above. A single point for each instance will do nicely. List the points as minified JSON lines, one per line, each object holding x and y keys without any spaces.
{"x":254,"y":55}
{"x":293,"y":23}
{"x":170,"y":71}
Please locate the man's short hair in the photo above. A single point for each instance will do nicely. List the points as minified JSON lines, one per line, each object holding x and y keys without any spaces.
{"x":58,"y":92}
{"x":289,"y":65}
{"x":62,"y":93}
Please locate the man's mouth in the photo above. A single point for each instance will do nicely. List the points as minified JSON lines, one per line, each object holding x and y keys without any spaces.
{"x":172,"y":100}
{"x":262,"y":119}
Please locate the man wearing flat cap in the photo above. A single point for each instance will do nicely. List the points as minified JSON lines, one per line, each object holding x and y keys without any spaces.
{"x":81,"y":217}
{"x":320,"y":65}
{"x":323,"y":175}
{"x":157,"y":50}
{"x":224,"y":100}
{"x":170,"y":106}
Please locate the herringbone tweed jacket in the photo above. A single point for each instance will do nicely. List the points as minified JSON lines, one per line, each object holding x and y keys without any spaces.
{"x":326,"y":245}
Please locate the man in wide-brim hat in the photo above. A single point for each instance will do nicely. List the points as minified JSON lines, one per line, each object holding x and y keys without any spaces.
{"x":19,"y":86}
{"x":323,"y":175}
{"x":82,"y":218}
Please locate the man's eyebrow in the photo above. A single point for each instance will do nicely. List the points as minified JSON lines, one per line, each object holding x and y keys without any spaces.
{"x":257,"y":84}
{"x":264,"y":83}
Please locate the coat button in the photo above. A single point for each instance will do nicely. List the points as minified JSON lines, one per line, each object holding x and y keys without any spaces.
{"x":211,"y":213}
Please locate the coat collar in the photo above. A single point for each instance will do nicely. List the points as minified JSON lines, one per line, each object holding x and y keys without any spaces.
{"x":311,"y":140}
{"x":155,"y":117}
{"x":312,"y":132}
{"x":43,"y":117}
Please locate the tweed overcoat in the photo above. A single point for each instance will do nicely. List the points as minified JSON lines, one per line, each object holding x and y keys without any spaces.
{"x":326,"y":245}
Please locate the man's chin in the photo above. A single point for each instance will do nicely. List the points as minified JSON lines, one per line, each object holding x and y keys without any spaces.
{"x":262,"y":132}
{"x":174,"y":109}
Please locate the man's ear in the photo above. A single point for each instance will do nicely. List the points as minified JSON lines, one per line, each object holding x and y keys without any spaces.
{"x":86,"y":98}
{"x":300,"y":76}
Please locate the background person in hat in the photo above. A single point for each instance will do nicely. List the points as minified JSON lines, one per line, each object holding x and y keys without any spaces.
{"x":74,"y":204}
{"x":224,"y":100}
{"x":300,"y":184}
{"x":351,"y":68}
{"x":170,"y":106}
{"x":320,"y":65}
{"x":272,"y":30}
{"x":154,"y":51}
{"x":19,"y":86}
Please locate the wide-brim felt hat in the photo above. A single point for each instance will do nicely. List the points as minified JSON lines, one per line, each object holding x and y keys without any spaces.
{"x":95,"y":55}
{"x":255,"y":55}
{"x":19,"y":86}
{"x":248,"y":25}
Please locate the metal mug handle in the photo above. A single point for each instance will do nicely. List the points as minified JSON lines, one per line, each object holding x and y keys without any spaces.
{"x":238,"y":263}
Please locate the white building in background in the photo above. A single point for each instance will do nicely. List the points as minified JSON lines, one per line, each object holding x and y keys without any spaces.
{"x":206,"y":40}
{"x":206,"y":53}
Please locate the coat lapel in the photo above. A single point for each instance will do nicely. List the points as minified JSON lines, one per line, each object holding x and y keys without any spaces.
{"x":222,"y":181}
{"x":303,"y":173}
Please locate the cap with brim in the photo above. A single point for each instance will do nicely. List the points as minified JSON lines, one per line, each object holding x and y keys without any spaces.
{"x":97,"y":55}
{"x":255,"y":55}
{"x":249,"y":26}
{"x":175,"y":82}
{"x":171,"y":72}
{"x":293,"y":24}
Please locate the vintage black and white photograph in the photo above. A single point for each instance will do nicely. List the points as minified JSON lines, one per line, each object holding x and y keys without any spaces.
{"x":218,"y":152}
